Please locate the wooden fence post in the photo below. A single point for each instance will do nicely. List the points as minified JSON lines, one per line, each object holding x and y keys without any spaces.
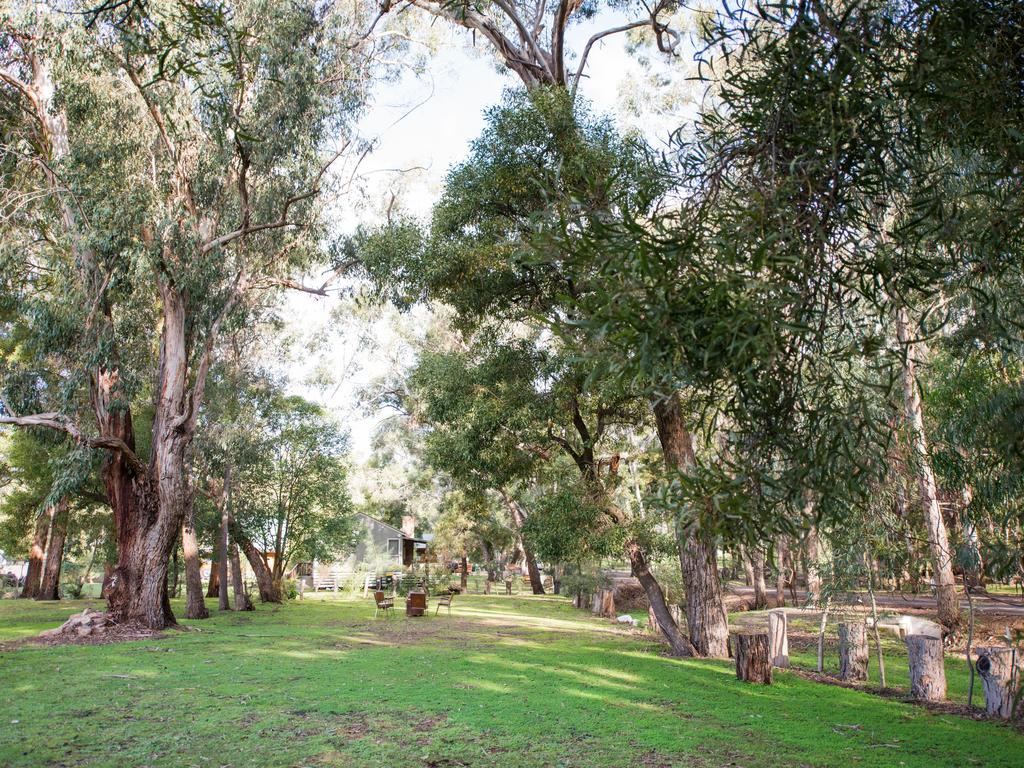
{"x":778,"y":638}
{"x":927,"y":668}
{"x":853,"y":651}
{"x":753,"y":664}
{"x":999,"y":678}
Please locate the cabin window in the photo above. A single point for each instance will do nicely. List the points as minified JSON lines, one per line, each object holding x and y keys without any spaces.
{"x":395,"y":547}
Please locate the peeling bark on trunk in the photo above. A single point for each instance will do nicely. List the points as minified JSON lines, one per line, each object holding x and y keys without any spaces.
{"x":195,"y":606}
{"x":705,"y":607}
{"x":938,"y":539}
{"x":34,"y":574}
{"x":49,"y":589}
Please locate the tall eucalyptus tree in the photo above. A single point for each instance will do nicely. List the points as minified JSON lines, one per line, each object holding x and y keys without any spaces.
{"x":163,"y":170}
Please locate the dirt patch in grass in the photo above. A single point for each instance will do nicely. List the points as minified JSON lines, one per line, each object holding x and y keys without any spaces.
{"x":654,"y":759}
{"x":350,"y":725}
{"x":457,"y":632}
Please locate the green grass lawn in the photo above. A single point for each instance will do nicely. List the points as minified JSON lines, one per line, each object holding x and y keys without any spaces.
{"x":518,"y":681}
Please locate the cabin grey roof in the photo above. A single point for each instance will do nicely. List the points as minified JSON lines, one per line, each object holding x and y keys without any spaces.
{"x":398,"y":531}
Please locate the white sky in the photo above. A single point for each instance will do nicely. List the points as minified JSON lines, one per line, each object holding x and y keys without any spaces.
{"x":447,"y":103}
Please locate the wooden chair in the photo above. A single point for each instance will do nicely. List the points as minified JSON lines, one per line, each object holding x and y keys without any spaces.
{"x":445,"y":601}
{"x":383,"y":603}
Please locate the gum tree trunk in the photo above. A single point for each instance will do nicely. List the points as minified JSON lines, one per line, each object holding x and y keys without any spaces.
{"x":748,"y":569}
{"x":680,"y":645}
{"x":242,"y":601}
{"x":269,"y":591}
{"x":50,"y":587}
{"x":213,"y":588}
{"x":174,"y":587}
{"x":150,"y":503}
{"x":760,"y":588}
{"x":195,"y":606}
{"x":34,"y":574}
{"x":705,"y":607}
{"x":518,"y":518}
{"x":222,"y":548}
{"x":147,"y":501}
{"x":812,"y":559}
{"x":938,"y":538}
{"x":781,"y":576}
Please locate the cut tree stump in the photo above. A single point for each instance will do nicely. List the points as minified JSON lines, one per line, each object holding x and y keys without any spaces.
{"x":608,"y":603}
{"x":999,"y":678}
{"x":753,"y":663}
{"x":853,"y":651}
{"x":927,"y":669}
{"x":778,"y":638}
{"x":595,"y":602}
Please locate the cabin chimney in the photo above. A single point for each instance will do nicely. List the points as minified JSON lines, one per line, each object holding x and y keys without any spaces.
{"x":409,"y":526}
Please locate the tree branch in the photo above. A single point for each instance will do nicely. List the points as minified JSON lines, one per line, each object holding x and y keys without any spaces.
{"x":590,"y":44}
{"x":62,"y":423}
